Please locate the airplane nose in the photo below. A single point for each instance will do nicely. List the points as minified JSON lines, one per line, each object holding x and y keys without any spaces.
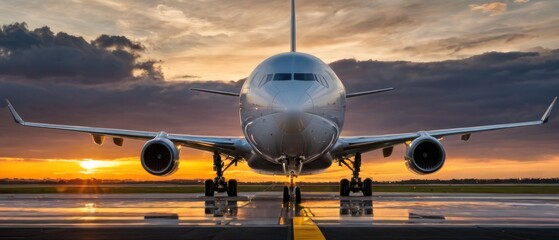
{"x":292,"y":107}
{"x":292,"y":102}
{"x":292,"y":122}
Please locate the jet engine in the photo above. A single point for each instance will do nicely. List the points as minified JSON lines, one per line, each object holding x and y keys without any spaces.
{"x":160,"y":157}
{"x":425,"y":155}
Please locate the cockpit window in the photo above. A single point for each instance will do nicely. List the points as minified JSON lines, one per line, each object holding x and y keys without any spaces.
{"x":265,"y":79}
{"x":322,"y":80}
{"x":282,"y":77}
{"x":304,"y":77}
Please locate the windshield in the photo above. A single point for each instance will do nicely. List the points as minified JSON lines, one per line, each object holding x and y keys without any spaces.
{"x":282,"y":77}
{"x":295,"y":76}
{"x":303,"y":77}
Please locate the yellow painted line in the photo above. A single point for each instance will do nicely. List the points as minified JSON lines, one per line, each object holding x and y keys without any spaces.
{"x":304,"y":228}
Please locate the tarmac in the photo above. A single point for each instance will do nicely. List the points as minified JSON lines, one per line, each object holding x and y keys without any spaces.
{"x":263,"y":216}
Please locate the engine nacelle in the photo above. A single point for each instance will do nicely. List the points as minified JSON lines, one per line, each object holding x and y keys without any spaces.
{"x":160,"y":157}
{"x":425,"y":155}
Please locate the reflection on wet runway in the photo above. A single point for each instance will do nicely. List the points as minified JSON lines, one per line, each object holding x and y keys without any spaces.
{"x":356,"y":207}
{"x":221,"y":207}
{"x":266,"y":209}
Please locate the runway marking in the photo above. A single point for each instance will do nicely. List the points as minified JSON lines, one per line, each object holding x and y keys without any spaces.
{"x":305,"y":228}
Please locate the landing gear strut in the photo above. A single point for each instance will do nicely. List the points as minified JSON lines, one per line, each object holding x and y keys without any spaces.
{"x":218,"y":184}
{"x":355,"y":184}
{"x":291,"y":192}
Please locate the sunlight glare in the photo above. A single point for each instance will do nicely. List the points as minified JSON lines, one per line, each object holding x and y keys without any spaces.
{"x":91,"y":165}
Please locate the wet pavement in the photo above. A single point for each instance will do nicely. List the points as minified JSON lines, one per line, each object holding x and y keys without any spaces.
{"x":321,"y":214}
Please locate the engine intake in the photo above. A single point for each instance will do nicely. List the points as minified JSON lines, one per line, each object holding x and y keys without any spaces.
{"x":425,"y":155}
{"x":160,"y":157}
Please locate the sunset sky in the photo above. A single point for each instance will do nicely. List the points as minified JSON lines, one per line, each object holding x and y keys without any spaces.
{"x":130,"y":64}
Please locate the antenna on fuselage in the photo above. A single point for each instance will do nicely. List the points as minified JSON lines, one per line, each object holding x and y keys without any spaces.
{"x":293,"y":28}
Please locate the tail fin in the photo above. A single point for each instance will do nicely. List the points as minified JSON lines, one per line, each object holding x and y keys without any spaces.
{"x":293,"y":28}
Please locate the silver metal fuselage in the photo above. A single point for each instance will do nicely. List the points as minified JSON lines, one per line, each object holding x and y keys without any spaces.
{"x":292,"y":122}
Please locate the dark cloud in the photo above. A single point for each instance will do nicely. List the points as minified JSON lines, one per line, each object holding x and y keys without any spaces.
{"x":42,"y":54}
{"x":486,"y":89}
{"x":118,"y":42}
{"x":186,"y":76}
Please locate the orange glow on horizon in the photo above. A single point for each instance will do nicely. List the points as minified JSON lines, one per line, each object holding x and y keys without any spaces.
{"x":201,"y":168}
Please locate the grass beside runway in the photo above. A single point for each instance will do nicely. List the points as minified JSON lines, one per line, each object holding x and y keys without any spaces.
{"x":108,"y":189}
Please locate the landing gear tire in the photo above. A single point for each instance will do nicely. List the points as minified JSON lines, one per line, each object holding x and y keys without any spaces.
{"x":232,"y":188}
{"x":367,"y":187}
{"x":344,"y":188}
{"x":297,"y":195}
{"x":209,"y":188}
{"x":285,"y":194}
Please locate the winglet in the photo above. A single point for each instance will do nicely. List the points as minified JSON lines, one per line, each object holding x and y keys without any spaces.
{"x":16,"y":116}
{"x":545,"y":117}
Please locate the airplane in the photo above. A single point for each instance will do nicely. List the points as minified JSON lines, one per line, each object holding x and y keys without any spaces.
{"x":292,"y":109}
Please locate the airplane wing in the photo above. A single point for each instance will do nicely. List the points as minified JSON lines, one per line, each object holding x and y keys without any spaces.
{"x":348,"y":146}
{"x":227,"y":145}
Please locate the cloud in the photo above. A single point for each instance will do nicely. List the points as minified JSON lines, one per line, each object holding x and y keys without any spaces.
{"x":521,"y":1}
{"x":493,"y":8}
{"x":191,"y":37}
{"x":118,"y":42}
{"x":185,"y":77}
{"x":42,"y":54}
{"x":485,"y":89}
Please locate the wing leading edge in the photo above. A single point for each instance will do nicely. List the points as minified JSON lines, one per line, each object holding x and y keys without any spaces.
{"x":351,"y":145}
{"x":227,"y":145}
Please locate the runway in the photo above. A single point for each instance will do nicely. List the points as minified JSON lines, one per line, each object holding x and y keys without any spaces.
{"x":262,"y":216}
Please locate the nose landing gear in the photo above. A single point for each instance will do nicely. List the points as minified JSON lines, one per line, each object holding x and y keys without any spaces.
{"x":291,"y":192}
{"x":218,"y":184}
{"x":355,"y":184}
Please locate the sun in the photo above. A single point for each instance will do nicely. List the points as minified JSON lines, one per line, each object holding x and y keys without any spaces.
{"x":89,"y":164}
{"x":92,"y":166}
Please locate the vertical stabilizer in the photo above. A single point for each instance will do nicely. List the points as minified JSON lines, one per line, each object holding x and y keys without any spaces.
{"x":293,"y":28}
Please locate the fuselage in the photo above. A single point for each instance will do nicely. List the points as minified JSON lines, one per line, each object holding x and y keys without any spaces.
{"x":292,"y":110}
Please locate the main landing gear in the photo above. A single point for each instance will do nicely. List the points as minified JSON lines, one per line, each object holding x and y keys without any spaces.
{"x":218,"y":184}
{"x":355,"y":184}
{"x":291,"y":192}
